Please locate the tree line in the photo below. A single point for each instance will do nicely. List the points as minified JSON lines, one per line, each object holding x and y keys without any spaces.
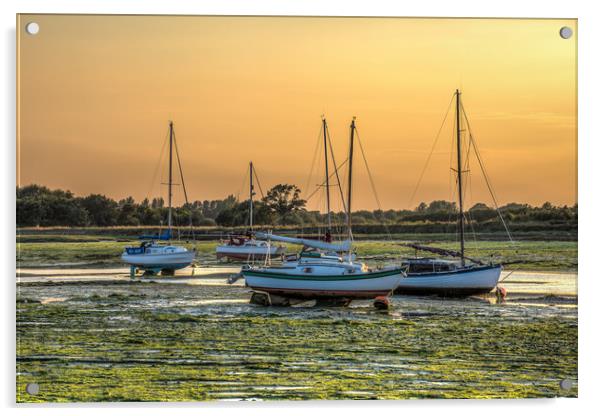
{"x":38,"y":206}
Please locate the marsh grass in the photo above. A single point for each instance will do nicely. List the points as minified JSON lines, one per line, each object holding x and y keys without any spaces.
{"x":523,"y":255}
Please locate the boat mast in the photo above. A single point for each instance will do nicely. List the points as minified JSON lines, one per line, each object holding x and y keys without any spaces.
{"x":349,"y":187}
{"x":251,"y":195}
{"x":169,"y":192}
{"x":324,"y":128}
{"x":459,"y":151}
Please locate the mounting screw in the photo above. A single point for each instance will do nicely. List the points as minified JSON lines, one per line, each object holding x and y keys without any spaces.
{"x":566,"y":384}
{"x":566,"y":32}
{"x":32,"y":388}
{"x":32,"y":28}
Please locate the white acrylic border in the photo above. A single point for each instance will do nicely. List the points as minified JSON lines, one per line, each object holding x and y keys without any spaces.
{"x":589,"y":33}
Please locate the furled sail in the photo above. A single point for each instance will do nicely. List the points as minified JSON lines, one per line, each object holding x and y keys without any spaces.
{"x":441,"y":251}
{"x":322,"y":245}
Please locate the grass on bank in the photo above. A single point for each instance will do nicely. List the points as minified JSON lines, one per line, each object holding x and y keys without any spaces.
{"x":523,"y":255}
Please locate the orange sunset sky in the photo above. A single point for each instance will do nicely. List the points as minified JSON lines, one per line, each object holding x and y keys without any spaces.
{"x":95,"y":94}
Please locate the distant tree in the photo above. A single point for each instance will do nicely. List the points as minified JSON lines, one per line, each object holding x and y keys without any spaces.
{"x":196,"y":216}
{"x":514,"y":207}
{"x":479,"y":206}
{"x":34,"y":191}
{"x":262,"y":214}
{"x":366,"y":217}
{"x":390,"y":215}
{"x":40,"y":206}
{"x":63,"y":209}
{"x":102,"y":211}
{"x":480,"y":212}
{"x":226,"y":218}
{"x":441,"y":206}
{"x":128,"y":212}
{"x":157,"y":203}
{"x":421,"y":207}
{"x":283,"y":200}
{"x":149,"y":216}
{"x":30,"y":212}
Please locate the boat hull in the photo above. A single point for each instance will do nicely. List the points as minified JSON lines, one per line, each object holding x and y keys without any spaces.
{"x":163,"y":261}
{"x":359,"y":286}
{"x":457,"y":283}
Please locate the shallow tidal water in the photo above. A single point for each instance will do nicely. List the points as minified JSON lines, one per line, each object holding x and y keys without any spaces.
{"x":97,"y":335}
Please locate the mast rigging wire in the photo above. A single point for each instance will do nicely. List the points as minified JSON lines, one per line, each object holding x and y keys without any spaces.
{"x":313,"y":161}
{"x":336,"y":172}
{"x":372,"y":185}
{"x":428,"y":159}
{"x":485,"y":175}
{"x":158,"y":164}
{"x":242,"y":185}
{"x":323,"y":184}
{"x":183,"y":183}
{"x":258,"y":183}
{"x":180,"y":167}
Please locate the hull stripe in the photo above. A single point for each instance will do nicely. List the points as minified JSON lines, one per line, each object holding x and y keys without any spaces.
{"x":455,"y":272}
{"x":312,"y":293}
{"x":309,"y":277}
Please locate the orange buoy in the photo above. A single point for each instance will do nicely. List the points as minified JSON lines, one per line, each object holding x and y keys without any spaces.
{"x":500,"y":293}
{"x":382,"y":302}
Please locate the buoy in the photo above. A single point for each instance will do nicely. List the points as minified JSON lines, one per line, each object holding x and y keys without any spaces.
{"x":233,"y":278}
{"x":500,"y":293}
{"x":382,"y":302}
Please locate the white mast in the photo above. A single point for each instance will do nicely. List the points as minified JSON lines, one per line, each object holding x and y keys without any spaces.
{"x":169,"y":193}
{"x":349,"y":185}
{"x":251,"y":195}
{"x":324,"y":129}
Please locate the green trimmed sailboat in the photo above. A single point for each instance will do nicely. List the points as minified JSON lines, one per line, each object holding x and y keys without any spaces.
{"x":324,"y":270}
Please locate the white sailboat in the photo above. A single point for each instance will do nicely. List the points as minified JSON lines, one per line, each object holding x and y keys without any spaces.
{"x":151,"y":255}
{"x":442,"y":277}
{"x":324,"y":273}
{"x":247,"y":248}
{"x":154,"y":257}
{"x":447,"y":278}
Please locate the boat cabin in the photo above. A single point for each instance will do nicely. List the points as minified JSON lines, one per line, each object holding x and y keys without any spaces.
{"x":430,"y":265}
{"x":150,"y":247}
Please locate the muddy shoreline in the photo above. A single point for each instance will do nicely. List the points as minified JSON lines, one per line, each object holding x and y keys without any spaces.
{"x":98,"y":335}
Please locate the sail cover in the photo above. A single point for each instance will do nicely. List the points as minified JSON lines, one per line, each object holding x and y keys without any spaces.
{"x":322,"y":245}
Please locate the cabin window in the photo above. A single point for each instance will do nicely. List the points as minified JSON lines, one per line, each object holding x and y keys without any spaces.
{"x":307,"y":270}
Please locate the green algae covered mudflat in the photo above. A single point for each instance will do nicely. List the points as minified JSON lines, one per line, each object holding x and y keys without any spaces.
{"x":93,"y":334}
